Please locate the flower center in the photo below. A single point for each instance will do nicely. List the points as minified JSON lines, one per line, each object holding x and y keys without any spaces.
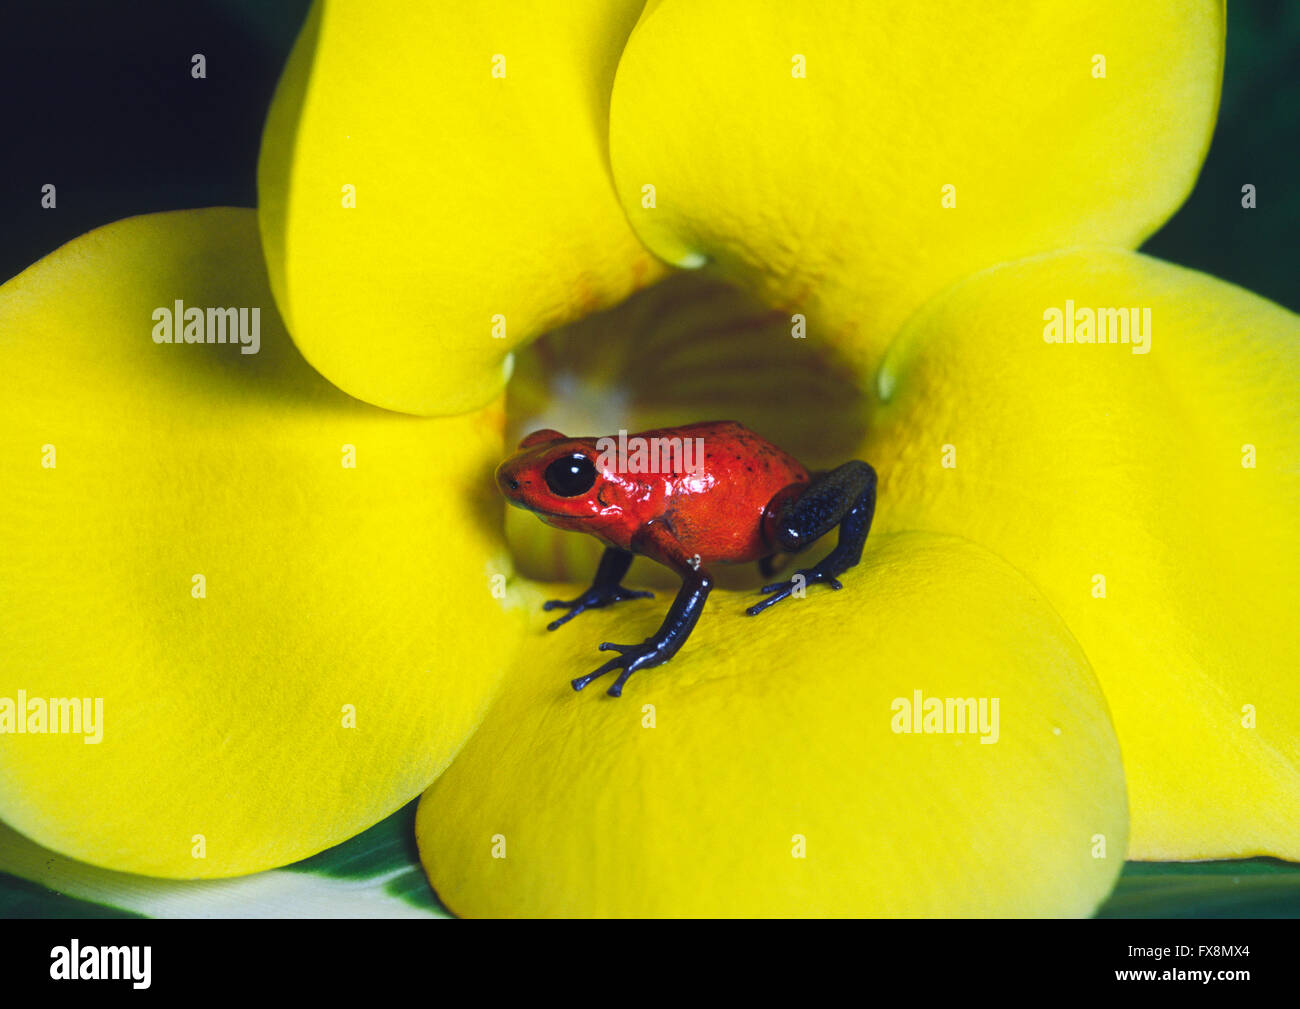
{"x":688,"y":349}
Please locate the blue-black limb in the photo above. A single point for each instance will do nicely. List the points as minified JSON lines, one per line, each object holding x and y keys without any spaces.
{"x":605,"y":588}
{"x":844,"y":497}
{"x":657,"y":542}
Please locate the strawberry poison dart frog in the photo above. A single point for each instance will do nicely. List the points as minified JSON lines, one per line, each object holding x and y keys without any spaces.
{"x":688,"y":497}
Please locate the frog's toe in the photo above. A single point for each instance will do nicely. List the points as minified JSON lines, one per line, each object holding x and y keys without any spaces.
{"x":592,"y":599}
{"x":630,"y":658}
{"x":583,"y":681}
{"x":608,"y":667}
{"x":759,"y":607}
{"x":561,"y":621}
{"x":783,"y":590}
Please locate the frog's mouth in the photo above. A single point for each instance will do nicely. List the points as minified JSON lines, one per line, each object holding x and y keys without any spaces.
{"x":690,"y":348}
{"x":557,"y":520}
{"x":541,"y":513}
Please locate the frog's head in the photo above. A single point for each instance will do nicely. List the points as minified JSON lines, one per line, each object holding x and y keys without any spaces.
{"x":559,"y":478}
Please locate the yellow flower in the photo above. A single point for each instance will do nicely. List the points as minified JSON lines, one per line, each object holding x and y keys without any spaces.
{"x":440,"y":188}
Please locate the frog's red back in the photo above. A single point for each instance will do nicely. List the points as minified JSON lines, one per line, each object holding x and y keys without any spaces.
{"x":719,"y":479}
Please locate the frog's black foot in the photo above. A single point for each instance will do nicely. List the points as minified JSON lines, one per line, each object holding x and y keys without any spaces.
{"x":593,"y":599}
{"x":631,"y":658}
{"x":782,"y":590}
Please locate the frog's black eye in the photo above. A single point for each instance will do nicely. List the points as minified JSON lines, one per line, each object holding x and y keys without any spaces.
{"x":571,"y":475}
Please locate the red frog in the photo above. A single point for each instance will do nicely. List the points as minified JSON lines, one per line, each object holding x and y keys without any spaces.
{"x":687,"y":497}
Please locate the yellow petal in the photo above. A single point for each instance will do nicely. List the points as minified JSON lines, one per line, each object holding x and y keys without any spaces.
{"x":132,"y":468}
{"x":774,"y":732}
{"x":484,"y":210}
{"x":825,"y":193}
{"x":1167,"y":480}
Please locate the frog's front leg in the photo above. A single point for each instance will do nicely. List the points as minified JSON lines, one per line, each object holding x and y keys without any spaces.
{"x":846,"y":496}
{"x":605,"y":588}
{"x":657,"y":542}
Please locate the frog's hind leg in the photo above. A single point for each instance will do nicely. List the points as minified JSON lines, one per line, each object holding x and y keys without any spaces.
{"x":844,"y":497}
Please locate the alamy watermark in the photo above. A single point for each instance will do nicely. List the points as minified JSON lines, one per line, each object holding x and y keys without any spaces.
{"x":926,"y":715}
{"x":179,"y":324}
{"x":75,"y":962}
{"x":650,"y":455}
{"x":1102,"y":325}
{"x":57,"y":715}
